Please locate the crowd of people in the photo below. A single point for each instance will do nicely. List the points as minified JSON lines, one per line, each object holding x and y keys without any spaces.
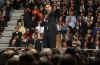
{"x":77,"y":23}
{"x":77,"y":27}
{"x":71,"y":56}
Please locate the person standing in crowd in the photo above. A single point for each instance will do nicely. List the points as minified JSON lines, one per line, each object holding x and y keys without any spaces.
{"x":51,"y":27}
{"x":27,"y":18}
{"x":89,"y":40}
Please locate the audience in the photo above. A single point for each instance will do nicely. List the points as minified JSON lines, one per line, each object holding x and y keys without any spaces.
{"x":48,"y":56}
{"x":77,"y":23}
{"x":78,"y":27}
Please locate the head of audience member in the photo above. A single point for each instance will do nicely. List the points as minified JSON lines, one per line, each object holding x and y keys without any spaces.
{"x":48,"y":8}
{"x":68,"y":60}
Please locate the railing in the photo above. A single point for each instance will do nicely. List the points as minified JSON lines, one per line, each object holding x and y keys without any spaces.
{"x":90,"y":49}
{"x":26,"y":47}
{"x":3,"y":48}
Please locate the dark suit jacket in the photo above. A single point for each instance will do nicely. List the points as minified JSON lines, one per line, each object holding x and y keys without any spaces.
{"x":13,"y":35}
{"x":52,"y":30}
{"x":28,"y":20}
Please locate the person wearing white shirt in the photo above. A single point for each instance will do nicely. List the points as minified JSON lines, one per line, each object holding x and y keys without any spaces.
{"x":71,"y":20}
{"x":40,"y":28}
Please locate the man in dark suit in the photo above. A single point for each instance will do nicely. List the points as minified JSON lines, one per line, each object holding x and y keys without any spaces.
{"x":51,"y":27}
{"x":28,"y":18}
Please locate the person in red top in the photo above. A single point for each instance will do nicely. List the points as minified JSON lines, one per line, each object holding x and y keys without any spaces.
{"x":28,"y":35}
{"x":0,"y":17}
{"x":1,"y":22}
{"x":36,"y":12}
